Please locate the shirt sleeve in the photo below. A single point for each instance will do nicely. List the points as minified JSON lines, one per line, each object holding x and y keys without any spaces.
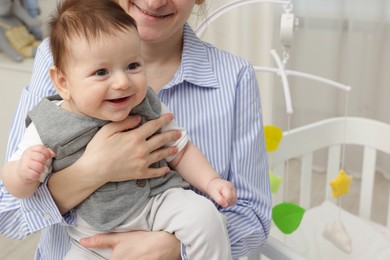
{"x":20,"y":217}
{"x":249,"y":220}
{"x":180,"y":143}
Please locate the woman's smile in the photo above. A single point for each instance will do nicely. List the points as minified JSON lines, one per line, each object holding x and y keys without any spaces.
{"x":152,"y":13}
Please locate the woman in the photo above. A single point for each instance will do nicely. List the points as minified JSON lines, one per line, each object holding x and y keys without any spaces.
{"x":212,"y":94}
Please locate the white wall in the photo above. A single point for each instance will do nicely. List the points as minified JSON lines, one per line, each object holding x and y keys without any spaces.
{"x":247,"y":31}
{"x":13,"y":77}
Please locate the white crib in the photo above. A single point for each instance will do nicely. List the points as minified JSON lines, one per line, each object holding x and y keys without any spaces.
{"x":301,"y":143}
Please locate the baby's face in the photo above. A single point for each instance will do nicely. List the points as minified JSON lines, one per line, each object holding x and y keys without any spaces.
{"x":106,"y":78}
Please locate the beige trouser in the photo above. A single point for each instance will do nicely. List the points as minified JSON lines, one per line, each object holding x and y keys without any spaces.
{"x":193,"y":219}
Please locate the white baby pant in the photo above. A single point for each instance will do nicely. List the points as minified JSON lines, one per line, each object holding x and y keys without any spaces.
{"x":192,"y":218}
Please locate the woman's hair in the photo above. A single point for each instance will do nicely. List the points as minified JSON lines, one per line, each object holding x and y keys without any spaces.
{"x":84,"y":19}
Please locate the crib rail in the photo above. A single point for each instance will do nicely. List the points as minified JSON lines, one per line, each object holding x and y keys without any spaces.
{"x":274,"y":249}
{"x":332,"y":134}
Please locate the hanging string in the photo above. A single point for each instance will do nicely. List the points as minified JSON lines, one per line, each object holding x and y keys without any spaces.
{"x":287,"y":162}
{"x":286,"y":56}
{"x":286,"y":172}
{"x":343,"y":147}
{"x":345,"y":129}
{"x":286,"y":35}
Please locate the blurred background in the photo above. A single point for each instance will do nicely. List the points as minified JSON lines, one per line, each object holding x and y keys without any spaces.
{"x":342,"y":40}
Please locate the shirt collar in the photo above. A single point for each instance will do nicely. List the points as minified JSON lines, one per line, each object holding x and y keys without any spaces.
{"x":194,"y":53}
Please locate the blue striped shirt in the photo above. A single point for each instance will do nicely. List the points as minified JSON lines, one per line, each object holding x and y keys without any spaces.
{"x":215,"y":97}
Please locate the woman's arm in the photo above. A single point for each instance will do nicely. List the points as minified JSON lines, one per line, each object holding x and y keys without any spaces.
{"x":137,"y":245}
{"x":250,"y":219}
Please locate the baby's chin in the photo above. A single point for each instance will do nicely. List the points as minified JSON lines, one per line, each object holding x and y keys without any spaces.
{"x":118,"y":119}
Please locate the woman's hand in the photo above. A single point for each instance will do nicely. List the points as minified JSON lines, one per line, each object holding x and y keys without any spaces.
{"x":137,"y":245}
{"x":114,"y":154}
{"x":120,"y":155}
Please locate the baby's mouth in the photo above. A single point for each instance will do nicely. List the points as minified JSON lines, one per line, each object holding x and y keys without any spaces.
{"x":118,"y":100}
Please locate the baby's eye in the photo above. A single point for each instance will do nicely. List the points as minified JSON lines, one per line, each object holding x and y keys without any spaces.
{"x":133,"y":66}
{"x":101,"y":72}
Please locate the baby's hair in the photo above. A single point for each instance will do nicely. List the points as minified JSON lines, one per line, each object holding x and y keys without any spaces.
{"x":84,"y":19}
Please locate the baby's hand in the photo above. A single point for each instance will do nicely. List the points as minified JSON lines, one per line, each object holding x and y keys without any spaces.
{"x":33,"y":160}
{"x":222,"y":192}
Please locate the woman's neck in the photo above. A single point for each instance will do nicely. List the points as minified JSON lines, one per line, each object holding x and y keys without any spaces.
{"x":162,"y":60}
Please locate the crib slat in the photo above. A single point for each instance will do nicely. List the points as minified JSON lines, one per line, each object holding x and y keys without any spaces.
{"x":367,"y":184}
{"x":279,"y":170}
{"x":334,"y":158}
{"x":306,"y":176}
{"x":388,"y":213}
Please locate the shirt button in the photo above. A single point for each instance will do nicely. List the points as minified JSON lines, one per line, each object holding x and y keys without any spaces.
{"x":141,"y":183}
{"x":46,"y":217}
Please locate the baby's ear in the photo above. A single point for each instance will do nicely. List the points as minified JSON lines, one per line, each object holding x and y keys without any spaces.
{"x":60,"y":83}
